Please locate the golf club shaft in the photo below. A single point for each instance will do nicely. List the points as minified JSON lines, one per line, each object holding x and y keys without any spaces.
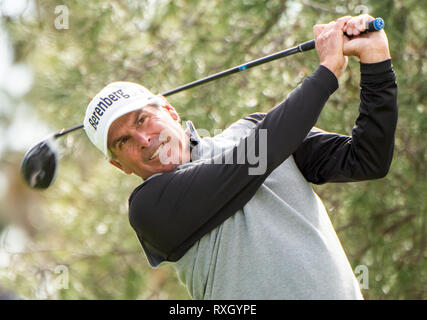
{"x":374,"y":25}
{"x":371,"y":26}
{"x":300,"y":48}
{"x":65,"y":131}
{"x":309,"y":45}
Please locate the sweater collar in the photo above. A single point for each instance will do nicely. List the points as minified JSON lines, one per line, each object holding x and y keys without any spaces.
{"x":194,"y":139}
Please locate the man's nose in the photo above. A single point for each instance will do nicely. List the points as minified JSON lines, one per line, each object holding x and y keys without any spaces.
{"x":143,"y":139}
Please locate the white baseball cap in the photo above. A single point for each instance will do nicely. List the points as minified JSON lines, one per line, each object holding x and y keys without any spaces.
{"x":112,"y":102}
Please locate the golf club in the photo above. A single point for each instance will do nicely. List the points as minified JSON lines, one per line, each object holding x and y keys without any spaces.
{"x":40,"y":162}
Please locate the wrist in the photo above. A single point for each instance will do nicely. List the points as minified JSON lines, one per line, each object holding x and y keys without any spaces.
{"x":335,"y":68}
{"x":375,"y":54}
{"x":374,"y":57}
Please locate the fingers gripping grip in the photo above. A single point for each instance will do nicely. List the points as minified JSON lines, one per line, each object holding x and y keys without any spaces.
{"x":371,"y":26}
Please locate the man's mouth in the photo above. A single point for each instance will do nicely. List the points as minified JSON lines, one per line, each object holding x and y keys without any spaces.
{"x":156,"y":153}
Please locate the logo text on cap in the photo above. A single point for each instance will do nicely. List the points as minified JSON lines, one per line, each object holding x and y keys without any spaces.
{"x":104,"y":104}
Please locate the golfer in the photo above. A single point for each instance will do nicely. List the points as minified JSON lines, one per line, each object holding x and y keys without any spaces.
{"x":235,"y":214}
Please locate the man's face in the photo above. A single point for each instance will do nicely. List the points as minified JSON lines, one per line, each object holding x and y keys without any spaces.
{"x":148,"y":141}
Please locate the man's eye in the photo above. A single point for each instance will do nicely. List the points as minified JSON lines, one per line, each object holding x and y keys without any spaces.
{"x":141,"y":119}
{"x":122,"y":142}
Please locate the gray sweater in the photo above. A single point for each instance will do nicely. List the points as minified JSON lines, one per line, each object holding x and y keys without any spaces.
{"x":281,"y":245}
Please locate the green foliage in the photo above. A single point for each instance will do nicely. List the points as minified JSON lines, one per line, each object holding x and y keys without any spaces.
{"x":163,"y":44}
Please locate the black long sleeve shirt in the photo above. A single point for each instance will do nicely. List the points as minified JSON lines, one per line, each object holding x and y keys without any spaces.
{"x":171,"y":211}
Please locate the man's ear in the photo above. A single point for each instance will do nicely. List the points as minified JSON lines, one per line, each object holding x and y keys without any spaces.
{"x":171,"y":110}
{"x":122,"y":168}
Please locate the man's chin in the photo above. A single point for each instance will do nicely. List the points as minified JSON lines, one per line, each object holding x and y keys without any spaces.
{"x":169,"y":167}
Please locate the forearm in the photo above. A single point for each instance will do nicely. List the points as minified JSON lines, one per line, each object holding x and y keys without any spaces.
{"x":373,"y":134}
{"x":367,"y":154}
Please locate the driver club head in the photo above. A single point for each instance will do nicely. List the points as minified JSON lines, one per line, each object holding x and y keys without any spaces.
{"x":39,"y":165}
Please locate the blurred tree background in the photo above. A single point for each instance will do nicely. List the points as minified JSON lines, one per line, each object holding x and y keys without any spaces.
{"x":81,"y":224}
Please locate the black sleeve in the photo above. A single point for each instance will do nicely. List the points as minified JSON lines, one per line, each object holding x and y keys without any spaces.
{"x":171,"y":211}
{"x":367,"y":154}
